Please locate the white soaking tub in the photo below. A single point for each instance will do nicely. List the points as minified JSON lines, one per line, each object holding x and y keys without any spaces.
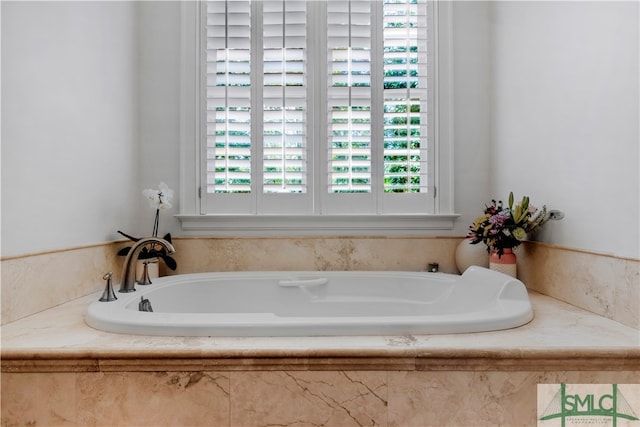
{"x":318,"y":303}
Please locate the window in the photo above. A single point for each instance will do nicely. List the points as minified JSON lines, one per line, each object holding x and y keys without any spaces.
{"x":312,"y":110}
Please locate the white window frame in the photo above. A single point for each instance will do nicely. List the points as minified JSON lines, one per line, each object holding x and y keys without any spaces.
{"x":195,"y":221}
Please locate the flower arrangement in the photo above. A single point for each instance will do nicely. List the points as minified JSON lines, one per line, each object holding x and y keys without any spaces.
{"x":503,"y":228}
{"x":160,"y":200}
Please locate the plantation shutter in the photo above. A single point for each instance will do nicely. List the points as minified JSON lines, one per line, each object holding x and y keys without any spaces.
{"x":323,"y":115}
{"x":284,"y":96}
{"x":405,"y":96}
{"x":377,"y":107}
{"x":349,"y":96}
{"x":228,"y":96}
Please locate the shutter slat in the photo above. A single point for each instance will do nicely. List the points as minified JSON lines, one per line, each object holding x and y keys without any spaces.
{"x":285,"y":96}
{"x":405,"y":81}
{"x":229,"y":96}
{"x":349,"y":95}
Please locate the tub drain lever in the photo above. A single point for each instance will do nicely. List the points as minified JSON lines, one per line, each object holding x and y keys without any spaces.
{"x":108,"y":294}
{"x":144,"y":305}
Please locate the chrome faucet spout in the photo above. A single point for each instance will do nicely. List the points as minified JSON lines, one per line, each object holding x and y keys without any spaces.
{"x":128,"y":268}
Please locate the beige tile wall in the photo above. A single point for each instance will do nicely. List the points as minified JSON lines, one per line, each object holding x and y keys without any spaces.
{"x":293,"y":398}
{"x":33,"y":283}
{"x":603,"y":284}
{"x":315,"y":253}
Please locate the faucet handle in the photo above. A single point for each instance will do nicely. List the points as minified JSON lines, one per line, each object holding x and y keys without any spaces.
{"x":108,"y":294}
{"x":145,"y":279}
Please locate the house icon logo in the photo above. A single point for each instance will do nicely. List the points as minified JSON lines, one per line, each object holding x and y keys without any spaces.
{"x":588,"y":404}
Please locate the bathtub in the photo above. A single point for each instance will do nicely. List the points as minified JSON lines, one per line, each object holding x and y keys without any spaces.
{"x":317,"y":303}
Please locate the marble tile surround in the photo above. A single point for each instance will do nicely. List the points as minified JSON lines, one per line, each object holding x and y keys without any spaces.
{"x":36,"y":282}
{"x":316,"y":254}
{"x":292,"y":398}
{"x":57,"y":371}
{"x":605,"y":285}
{"x":67,"y":374}
{"x":602,"y":284}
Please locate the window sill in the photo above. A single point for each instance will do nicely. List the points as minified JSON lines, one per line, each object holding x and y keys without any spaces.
{"x":272,"y":225}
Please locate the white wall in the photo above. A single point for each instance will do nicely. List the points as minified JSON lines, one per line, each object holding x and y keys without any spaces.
{"x":565,"y":121}
{"x":159,"y":62}
{"x":69,"y":123}
{"x":472,"y":104}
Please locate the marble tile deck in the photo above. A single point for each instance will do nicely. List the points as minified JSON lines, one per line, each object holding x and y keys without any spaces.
{"x":57,"y":371}
{"x":559,"y":337}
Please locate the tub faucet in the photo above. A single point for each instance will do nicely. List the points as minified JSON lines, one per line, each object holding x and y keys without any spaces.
{"x":129,"y":270}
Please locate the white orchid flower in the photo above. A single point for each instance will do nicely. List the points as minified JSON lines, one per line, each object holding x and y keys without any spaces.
{"x":166,"y":196}
{"x":161,"y":198}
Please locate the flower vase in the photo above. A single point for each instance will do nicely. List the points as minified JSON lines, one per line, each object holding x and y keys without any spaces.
{"x":506,"y":263}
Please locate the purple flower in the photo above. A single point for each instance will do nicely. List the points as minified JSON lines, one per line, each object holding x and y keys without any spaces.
{"x":498,"y":220}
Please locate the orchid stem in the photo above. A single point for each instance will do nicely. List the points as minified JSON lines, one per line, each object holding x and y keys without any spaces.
{"x":155,"y":223}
